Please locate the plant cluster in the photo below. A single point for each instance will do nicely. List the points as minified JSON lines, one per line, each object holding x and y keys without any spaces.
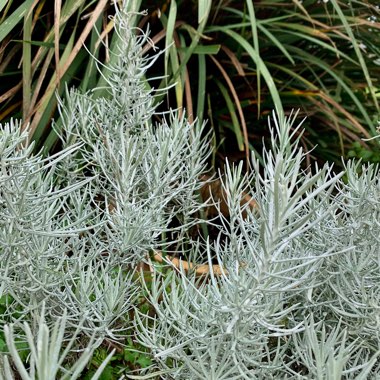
{"x":296,"y":294}
{"x":75,"y":225}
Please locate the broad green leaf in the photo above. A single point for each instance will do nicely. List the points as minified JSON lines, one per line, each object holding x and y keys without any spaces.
{"x":144,"y":361}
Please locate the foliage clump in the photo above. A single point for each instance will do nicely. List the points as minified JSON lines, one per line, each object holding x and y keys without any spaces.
{"x":297,"y":291}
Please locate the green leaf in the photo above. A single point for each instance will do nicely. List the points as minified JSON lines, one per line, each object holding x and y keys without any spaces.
{"x":306,"y":57}
{"x":3,"y":345}
{"x":49,"y":45}
{"x":259,"y":64}
{"x":276,"y":42}
{"x":169,"y":26}
{"x":358,"y":52}
{"x":231,"y":109}
{"x":203,"y":9}
{"x":3,"y":3}
{"x":252,"y":18}
{"x":201,"y":86}
{"x":130,"y":355}
{"x":10,"y":22}
{"x":203,"y":49}
{"x":107,"y":374}
{"x":23,"y":350}
{"x":27,"y":65}
{"x":144,"y":361}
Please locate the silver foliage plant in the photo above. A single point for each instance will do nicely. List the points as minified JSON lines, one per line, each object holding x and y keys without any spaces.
{"x":299,"y":292}
{"x":146,"y":174}
{"x":45,"y":362}
{"x":74,"y":226}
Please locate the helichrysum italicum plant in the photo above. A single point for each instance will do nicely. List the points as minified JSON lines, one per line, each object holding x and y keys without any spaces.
{"x":147,"y":174}
{"x":73,"y":227}
{"x":298,"y":293}
{"x":46,"y":360}
{"x":299,"y":296}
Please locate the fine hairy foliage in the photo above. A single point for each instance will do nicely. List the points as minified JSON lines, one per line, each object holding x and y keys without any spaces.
{"x":46,"y":251}
{"x":297,"y":290}
{"x":299,"y":293}
{"x":74,"y":226}
{"x":45,"y":362}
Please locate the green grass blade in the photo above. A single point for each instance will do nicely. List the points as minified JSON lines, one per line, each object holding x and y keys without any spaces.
{"x":237,"y":102}
{"x":309,"y":85}
{"x":3,"y":3}
{"x":206,"y":7}
{"x":10,"y":22}
{"x":51,"y":139}
{"x":201,"y":86}
{"x":203,"y":49}
{"x":169,"y":26}
{"x":91,"y":73}
{"x":253,"y":21}
{"x":268,"y":20}
{"x":68,"y":10}
{"x":357,"y":51}
{"x":322,"y":44}
{"x":231,"y":110}
{"x":276,"y":42}
{"x":203,"y":10}
{"x":304,"y":29}
{"x":49,"y":45}
{"x":65,"y":64}
{"x":258,"y":61}
{"x":46,"y":104}
{"x":189,"y":51}
{"x":306,"y":57}
{"x":172,"y":53}
{"x":27,"y":64}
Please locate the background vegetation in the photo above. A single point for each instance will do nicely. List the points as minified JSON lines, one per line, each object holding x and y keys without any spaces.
{"x":230,"y":62}
{"x":321,"y":57}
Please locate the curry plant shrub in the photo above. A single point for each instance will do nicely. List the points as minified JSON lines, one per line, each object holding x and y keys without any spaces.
{"x":297,"y":293}
{"x":74,"y":226}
